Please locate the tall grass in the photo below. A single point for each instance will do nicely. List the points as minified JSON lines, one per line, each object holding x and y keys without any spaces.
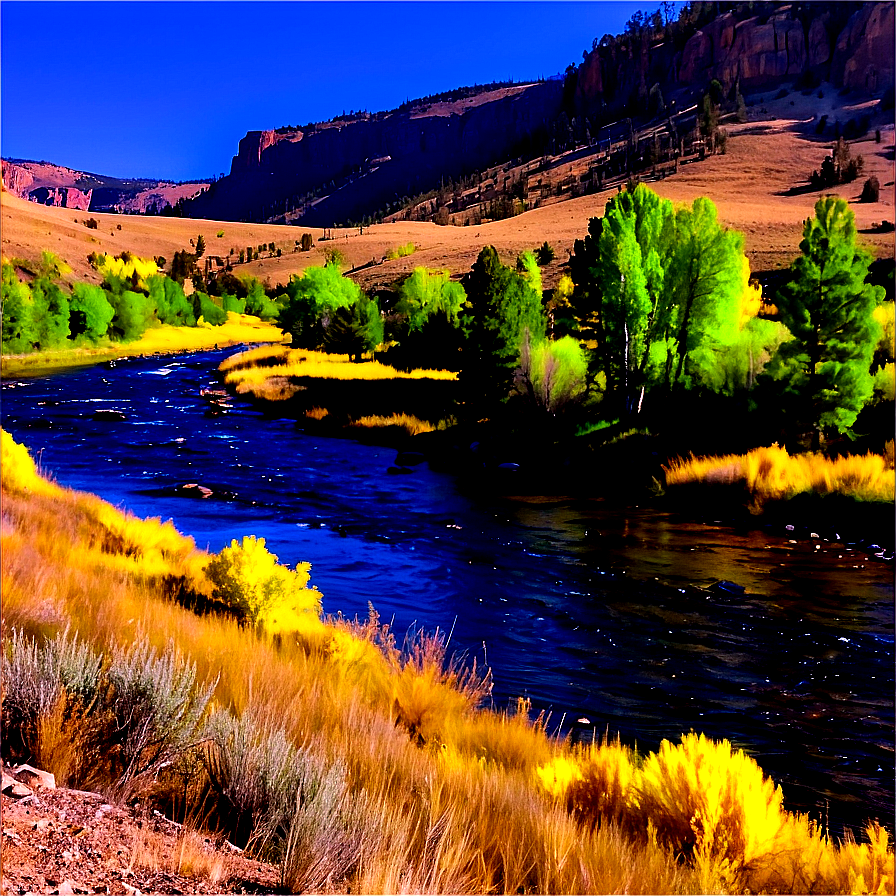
{"x":401,"y":251}
{"x":358,"y":763}
{"x":773,"y":474}
{"x":254,"y":367}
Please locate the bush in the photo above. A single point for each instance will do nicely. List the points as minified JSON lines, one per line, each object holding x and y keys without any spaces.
{"x":156,"y":711}
{"x":248,"y":579}
{"x":544,"y":254}
{"x":91,"y":223}
{"x":871,"y":190}
{"x":307,"y":242}
{"x":822,"y":124}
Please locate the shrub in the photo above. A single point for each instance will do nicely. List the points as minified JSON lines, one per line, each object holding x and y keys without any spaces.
{"x":544,"y":254}
{"x":248,"y":579}
{"x":220,"y":235}
{"x":307,"y":242}
{"x":822,"y":124}
{"x":91,"y":223}
{"x":708,"y":800}
{"x":871,"y":190}
{"x":156,"y":710}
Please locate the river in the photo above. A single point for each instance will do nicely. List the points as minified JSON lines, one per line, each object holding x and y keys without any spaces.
{"x":594,"y":612}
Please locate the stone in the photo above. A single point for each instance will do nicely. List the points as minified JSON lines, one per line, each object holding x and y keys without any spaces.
{"x":34,"y":777}
{"x":15,"y":789}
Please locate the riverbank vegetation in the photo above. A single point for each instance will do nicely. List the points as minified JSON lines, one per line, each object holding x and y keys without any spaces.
{"x":209,"y":686}
{"x":48,"y":324}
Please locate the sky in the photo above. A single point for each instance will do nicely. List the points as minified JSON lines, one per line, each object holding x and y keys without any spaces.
{"x":167,"y":89}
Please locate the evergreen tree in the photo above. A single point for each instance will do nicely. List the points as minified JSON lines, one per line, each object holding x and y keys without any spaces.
{"x":355,"y":329}
{"x":823,"y":373}
{"x":200,"y":246}
{"x":502,"y":307}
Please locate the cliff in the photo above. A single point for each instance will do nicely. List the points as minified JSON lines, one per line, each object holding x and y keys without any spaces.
{"x":48,"y":184}
{"x":371,"y":160}
{"x":757,"y":46}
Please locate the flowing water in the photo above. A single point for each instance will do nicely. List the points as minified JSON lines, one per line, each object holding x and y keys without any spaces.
{"x":596,"y":613}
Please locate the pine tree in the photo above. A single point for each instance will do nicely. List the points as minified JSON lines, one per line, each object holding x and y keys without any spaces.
{"x":823,"y":373}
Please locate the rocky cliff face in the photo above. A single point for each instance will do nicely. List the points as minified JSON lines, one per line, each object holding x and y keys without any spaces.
{"x":759,"y":52}
{"x":368,"y":162}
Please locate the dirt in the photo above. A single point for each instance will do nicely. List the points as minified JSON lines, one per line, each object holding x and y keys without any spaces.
{"x":71,"y":842}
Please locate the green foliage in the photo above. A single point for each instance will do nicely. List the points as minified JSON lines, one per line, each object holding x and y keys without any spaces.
{"x":425,"y":293}
{"x":333,"y":257}
{"x":50,"y":310}
{"x":205,"y":308}
{"x":318,"y":293}
{"x":16,"y":332}
{"x":401,"y":251}
{"x":172,"y":306}
{"x":248,"y":579}
{"x":133,"y":315}
{"x":200,"y":246}
{"x":544,"y":254}
{"x":91,"y":312}
{"x":355,"y":329}
{"x":553,"y":373}
{"x":182,"y":266}
{"x":258,"y":303}
{"x":232,"y":303}
{"x":503,"y":306}
{"x":823,"y":373}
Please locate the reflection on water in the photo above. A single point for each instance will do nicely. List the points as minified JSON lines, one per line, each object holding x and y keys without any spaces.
{"x":591,"y":611}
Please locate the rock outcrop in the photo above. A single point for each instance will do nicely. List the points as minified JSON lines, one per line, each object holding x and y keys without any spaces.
{"x":864,"y":53}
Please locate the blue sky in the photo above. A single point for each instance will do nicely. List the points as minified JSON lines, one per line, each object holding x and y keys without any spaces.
{"x":167,"y":89}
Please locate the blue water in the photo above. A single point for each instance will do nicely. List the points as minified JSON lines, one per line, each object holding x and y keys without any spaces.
{"x":592,"y":611}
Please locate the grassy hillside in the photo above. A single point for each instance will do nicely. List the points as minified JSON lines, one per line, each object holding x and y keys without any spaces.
{"x":358,"y":764}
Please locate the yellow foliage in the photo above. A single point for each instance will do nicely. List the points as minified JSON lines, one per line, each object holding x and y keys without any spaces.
{"x":605,"y":789}
{"x":750,"y":297}
{"x":125,"y":269}
{"x":771,"y":473}
{"x":19,"y":470}
{"x":558,"y":775}
{"x":410,"y":424}
{"x":247,"y":577}
{"x":708,"y":799}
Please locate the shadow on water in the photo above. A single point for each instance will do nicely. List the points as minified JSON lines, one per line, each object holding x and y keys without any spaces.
{"x":593,"y":611}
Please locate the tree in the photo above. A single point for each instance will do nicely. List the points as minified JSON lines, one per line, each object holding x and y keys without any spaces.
{"x":355,"y":329}
{"x":311,"y":299}
{"x":425,"y":293}
{"x":502,"y":306}
{"x":91,"y":312}
{"x":15,"y":297}
{"x":823,"y":374}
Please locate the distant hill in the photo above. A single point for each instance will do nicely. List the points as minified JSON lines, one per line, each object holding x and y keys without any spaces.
{"x":49,"y":184}
{"x":368,"y":166}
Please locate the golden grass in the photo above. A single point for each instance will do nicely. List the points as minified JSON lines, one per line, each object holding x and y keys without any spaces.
{"x":164,"y":339}
{"x":407,"y":422}
{"x":190,"y":856}
{"x":277,"y":361}
{"x":773,"y":474}
{"x":439,"y":796}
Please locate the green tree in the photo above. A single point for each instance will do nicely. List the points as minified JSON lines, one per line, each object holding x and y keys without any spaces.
{"x":257,"y":302}
{"x":15,"y":297}
{"x":823,"y":372}
{"x":200,"y":246}
{"x":91,"y":312}
{"x":311,"y":300}
{"x":205,"y":308}
{"x":425,"y":293}
{"x":172,"y":306}
{"x":50,"y":310}
{"x":355,"y":329}
{"x":133,"y":314}
{"x":503,"y":306}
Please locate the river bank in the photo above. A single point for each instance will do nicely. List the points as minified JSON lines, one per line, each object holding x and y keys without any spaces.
{"x":161,"y":340}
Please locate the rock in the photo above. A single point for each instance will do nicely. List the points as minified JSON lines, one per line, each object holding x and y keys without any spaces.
{"x":726,"y":587}
{"x":34,"y":777}
{"x":67,"y":888}
{"x":398,"y":471}
{"x":863,"y":53}
{"x":12,"y":787}
{"x":109,"y":416}
{"x":509,"y":467}
{"x":818,"y":42}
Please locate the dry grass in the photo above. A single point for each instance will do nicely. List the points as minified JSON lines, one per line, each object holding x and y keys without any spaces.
{"x":406,"y":422}
{"x":164,"y":339}
{"x":257,"y":366}
{"x":411,"y":787}
{"x":773,"y":474}
{"x":192,"y":855}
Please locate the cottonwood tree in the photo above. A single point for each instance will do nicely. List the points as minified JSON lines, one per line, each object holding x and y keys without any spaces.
{"x":823,"y":373}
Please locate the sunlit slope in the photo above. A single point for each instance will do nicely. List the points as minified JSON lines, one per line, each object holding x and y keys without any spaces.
{"x":749,"y":185}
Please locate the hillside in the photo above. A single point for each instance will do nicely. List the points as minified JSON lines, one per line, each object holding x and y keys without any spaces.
{"x":55,"y":185}
{"x":366,"y":166}
{"x":759,"y":186}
